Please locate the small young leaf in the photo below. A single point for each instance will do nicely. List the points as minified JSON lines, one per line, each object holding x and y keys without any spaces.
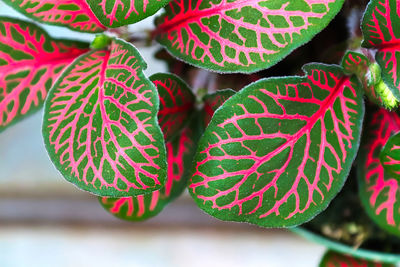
{"x":379,"y":27}
{"x":179,"y":153}
{"x":379,"y":189}
{"x":241,"y":36}
{"x":335,"y":259}
{"x":176,"y":103}
{"x":116,"y":13}
{"x":355,"y":63}
{"x":100,"y":124}
{"x":212,"y":102}
{"x":277,"y":152}
{"x":390,"y":155}
{"x":30,"y":62}
{"x":74,"y":14}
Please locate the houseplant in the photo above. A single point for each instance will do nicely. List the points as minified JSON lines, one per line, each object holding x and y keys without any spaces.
{"x":273,"y":153}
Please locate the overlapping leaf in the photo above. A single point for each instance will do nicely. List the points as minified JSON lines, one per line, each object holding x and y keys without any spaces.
{"x":116,"y":13}
{"x":212,"y":102}
{"x":277,"y":152}
{"x":74,"y":14}
{"x":381,"y":31}
{"x":179,"y":154}
{"x":176,"y":103}
{"x":335,"y":259}
{"x":238,"y":35}
{"x":100,"y":124}
{"x":379,"y":189}
{"x":30,"y":62}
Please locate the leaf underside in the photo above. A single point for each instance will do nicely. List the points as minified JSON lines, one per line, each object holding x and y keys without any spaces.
{"x":30,"y":62}
{"x":335,"y":259}
{"x":380,"y":30}
{"x":238,"y":35}
{"x":116,"y":13}
{"x":277,"y":152}
{"x":100,"y":125}
{"x":74,"y":14}
{"x":378,"y":188}
{"x":176,"y":103}
{"x":138,"y":208}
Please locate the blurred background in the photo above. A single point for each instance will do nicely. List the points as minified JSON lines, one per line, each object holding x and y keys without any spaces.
{"x":46,"y":221}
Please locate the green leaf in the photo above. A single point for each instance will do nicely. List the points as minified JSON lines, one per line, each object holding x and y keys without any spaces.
{"x":380,"y":30}
{"x":277,"y":152}
{"x":390,"y":155}
{"x":241,"y":36}
{"x":179,"y":156}
{"x":74,"y":14}
{"x":116,"y":13}
{"x":30,"y":62}
{"x":100,"y":124}
{"x":176,"y":103}
{"x":379,"y":188}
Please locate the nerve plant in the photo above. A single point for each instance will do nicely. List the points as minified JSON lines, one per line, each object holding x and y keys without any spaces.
{"x":273,"y":153}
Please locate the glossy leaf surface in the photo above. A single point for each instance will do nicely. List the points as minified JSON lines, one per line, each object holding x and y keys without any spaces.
{"x":334,"y":259}
{"x":379,"y":189}
{"x":381,"y":31}
{"x":241,"y":36}
{"x":74,"y":14}
{"x":116,"y":13}
{"x":277,"y":152}
{"x":100,"y":124}
{"x":176,"y":103}
{"x":179,"y":154}
{"x":213,"y":101}
{"x":30,"y":62}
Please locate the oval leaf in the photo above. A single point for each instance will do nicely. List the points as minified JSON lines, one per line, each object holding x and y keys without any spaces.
{"x":241,"y":36}
{"x":212,"y":102}
{"x":179,"y":154}
{"x":277,"y":152}
{"x":390,"y":155}
{"x":74,"y":14}
{"x":335,"y":259}
{"x":116,"y":13}
{"x":30,"y":62}
{"x":100,"y":125}
{"x":379,"y":189}
{"x":176,"y":103}
{"x":379,"y":27}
